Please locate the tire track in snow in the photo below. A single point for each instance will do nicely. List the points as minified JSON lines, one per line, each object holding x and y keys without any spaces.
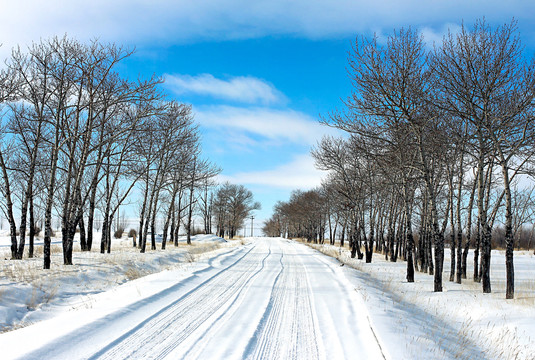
{"x":366,"y":340}
{"x":273,"y":299}
{"x":287,"y":329}
{"x":229,"y":321}
{"x":164,"y":331}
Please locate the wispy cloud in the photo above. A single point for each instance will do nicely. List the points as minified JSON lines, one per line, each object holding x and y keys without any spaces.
{"x":246,"y":89}
{"x":436,"y":36}
{"x":139,"y":22}
{"x":299,"y":173}
{"x":270,"y":124}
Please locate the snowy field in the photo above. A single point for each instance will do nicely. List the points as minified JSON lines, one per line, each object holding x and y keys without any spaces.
{"x":260,"y":298}
{"x":29,"y":294}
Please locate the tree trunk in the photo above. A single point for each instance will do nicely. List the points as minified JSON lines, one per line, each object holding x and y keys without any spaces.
{"x":485,"y":231}
{"x":453,"y":252}
{"x":83,"y":243}
{"x":342,"y":237}
{"x":410,"y":244}
{"x":90,"y":221}
{"x":469,"y":228}
{"x":104,"y":238}
{"x":509,"y":240}
{"x":146,"y":224}
{"x":164,"y":233}
{"x":28,"y":196}
{"x":190,"y":210}
{"x":109,"y":234}
{"x":49,"y":202}
{"x":485,"y":258}
{"x":23,"y":219}
{"x":142,"y":216}
{"x":32,"y":229}
{"x":9,"y":209}
{"x":153,"y":233}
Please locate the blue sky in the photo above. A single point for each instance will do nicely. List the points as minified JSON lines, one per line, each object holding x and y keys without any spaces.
{"x":258,"y":73}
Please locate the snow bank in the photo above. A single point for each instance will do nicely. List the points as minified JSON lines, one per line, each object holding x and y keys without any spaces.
{"x":29,"y":294}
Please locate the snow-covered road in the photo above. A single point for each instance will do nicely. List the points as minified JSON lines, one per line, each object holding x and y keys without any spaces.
{"x":271,"y":299}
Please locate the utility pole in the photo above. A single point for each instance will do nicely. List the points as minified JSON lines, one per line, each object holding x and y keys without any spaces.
{"x":252,"y":218}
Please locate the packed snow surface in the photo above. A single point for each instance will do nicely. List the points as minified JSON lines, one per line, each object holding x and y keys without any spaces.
{"x":270,"y":299}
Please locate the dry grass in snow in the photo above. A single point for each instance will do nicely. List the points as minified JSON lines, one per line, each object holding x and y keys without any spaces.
{"x":26,"y":289}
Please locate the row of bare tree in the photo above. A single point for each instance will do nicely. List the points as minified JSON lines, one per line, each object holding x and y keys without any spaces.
{"x":77,"y":137}
{"x":436,"y":140}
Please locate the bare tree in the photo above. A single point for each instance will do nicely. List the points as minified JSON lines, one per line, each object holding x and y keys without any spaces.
{"x":233,"y":204}
{"x":393,"y":94}
{"x":170,"y":162}
{"x":487,"y":82}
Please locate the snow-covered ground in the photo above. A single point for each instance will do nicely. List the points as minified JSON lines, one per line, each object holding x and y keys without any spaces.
{"x":459,"y":323}
{"x":259,"y":298}
{"x":29,"y":294}
{"x":270,"y":299}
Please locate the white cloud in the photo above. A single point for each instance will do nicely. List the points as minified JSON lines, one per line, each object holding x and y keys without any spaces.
{"x":436,"y":36}
{"x":138,"y":22}
{"x":246,"y":89}
{"x":300,"y":173}
{"x":275,"y":125}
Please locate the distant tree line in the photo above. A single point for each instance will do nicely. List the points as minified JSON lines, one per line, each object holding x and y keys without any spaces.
{"x":232,"y":205}
{"x":437,"y":144}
